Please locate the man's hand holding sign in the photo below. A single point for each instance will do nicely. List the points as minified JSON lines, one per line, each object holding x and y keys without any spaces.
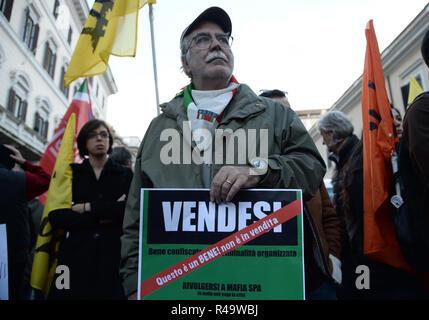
{"x":231,"y":179}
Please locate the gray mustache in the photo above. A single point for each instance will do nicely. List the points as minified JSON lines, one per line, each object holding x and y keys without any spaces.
{"x":216,"y":54}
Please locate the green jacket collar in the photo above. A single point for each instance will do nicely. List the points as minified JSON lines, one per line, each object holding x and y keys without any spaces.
{"x":244,"y":104}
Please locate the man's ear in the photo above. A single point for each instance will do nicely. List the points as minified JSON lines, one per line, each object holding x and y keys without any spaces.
{"x":185,"y":66}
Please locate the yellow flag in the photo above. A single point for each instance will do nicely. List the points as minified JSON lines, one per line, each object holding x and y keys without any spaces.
{"x":111,"y":28}
{"x":415,"y":90}
{"x":59,"y":197}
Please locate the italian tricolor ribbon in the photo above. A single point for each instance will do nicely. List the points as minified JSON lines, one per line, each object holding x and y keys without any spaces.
{"x":208,"y":112}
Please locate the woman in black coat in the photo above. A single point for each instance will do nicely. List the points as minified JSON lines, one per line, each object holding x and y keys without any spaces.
{"x":385,"y":281}
{"x":91,"y":246}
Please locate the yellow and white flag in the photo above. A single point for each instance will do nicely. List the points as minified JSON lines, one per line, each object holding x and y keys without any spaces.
{"x":111,"y":28}
{"x":414,"y":91}
{"x":59,"y":197}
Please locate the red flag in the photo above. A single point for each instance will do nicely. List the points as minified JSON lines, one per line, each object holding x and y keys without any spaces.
{"x":380,"y":242}
{"x":81,"y":106}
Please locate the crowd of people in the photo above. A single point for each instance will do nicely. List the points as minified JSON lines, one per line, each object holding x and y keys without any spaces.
{"x":101,"y":240}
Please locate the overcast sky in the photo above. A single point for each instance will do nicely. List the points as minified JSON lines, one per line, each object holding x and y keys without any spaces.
{"x":312,"y":49}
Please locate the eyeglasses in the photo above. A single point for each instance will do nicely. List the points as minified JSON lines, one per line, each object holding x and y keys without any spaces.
{"x":94,"y":135}
{"x":204,"y":40}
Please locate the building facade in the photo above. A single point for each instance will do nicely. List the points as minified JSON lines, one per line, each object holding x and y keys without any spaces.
{"x":400,"y":60}
{"x":310,"y":117}
{"x":38,"y":38}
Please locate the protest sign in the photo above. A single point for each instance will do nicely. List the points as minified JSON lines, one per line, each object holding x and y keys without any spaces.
{"x":250,"y":248}
{"x":4,"y":279}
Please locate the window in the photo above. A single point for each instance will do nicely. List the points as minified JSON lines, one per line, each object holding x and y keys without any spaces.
{"x":405,"y":90}
{"x":69,"y":36}
{"x":41,"y":116}
{"x":31,"y":32}
{"x":76,"y":88}
{"x":63,"y":88}
{"x":49,"y":59}
{"x":41,"y":125}
{"x":18,"y":94}
{"x":17,"y":105}
{"x":56,"y":6}
{"x":6,"y":8}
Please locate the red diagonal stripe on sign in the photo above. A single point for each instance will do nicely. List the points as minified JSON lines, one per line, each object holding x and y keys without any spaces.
{"x":220,"y":248}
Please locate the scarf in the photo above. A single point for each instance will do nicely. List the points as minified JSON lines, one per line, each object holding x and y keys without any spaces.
{"x":205,"y":108}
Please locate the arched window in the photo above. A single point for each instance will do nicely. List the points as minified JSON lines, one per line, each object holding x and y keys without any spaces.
{"x":63,"y":88}
{"x":6,"y":8}
{"x":50,"y":56}
{"x":30,"y":33}
{"x":56,"y":6}
{"x":41,"y":116}
{"x":18,"y":95}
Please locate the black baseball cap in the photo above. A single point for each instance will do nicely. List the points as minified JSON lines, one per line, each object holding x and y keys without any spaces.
{"x":425,"y":48}
{"x":213,"y":14}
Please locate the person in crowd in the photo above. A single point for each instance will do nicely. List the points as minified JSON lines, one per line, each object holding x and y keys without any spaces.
{"x":321,"y":278}
{"x":35,"y":212}
{"x":416,"y":129}
{"x":414,"y":177}
{"x":276,"y":94}
{"x":122,"y":156}
{"x":386,"y":282}
{"x":93,"y":226}
{"x":346,"y":151}
{"x":17,"y":188}
{"x":215,"y":100}
{"x":36,"y":179}
{"x":397,"y":121}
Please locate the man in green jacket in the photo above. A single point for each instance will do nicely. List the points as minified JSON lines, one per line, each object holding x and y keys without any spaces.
{"x":209,"y":136}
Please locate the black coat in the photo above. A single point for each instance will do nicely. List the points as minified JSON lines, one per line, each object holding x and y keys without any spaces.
{"x":14,"y":213}
{"x":349,"y":163}
{"x":386,"y":282}
{"x":91,"y":248}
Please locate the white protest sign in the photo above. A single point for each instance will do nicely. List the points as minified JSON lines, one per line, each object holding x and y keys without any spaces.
{"x":4,"y":280}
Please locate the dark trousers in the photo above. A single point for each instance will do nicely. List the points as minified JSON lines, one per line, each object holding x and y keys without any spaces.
{"x":16,"y":281}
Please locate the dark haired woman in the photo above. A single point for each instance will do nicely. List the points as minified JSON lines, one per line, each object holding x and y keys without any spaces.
{"x":91,"y":247}
{"x":397,"y":121}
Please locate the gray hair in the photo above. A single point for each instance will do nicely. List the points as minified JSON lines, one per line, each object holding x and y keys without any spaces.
{"x":184,"y":53}
{"x":336,"y":121}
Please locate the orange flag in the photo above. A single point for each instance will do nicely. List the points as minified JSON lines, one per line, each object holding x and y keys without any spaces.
{"x":378,"y":145}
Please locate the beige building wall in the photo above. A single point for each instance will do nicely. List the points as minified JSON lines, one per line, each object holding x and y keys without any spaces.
{"x":310,"y":117}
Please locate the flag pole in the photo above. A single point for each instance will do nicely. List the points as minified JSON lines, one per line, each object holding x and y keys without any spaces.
{"x":155,"y":75}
